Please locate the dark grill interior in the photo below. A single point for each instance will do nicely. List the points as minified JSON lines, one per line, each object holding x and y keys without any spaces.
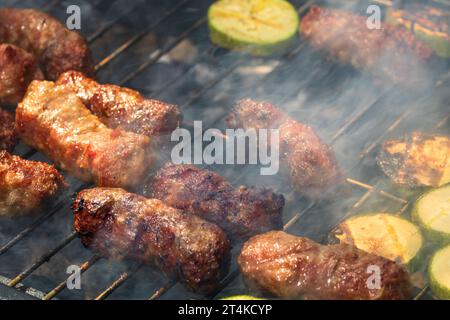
{"x":161,"y":48}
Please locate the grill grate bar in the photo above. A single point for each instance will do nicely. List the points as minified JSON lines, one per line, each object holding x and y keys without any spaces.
{"x":137,"y":37}
{"x":154,"y":59}
{"x":45,"y":258}
{"x":36,"y":224}
{"x":118,"y":282}
{"x":83,"y":268}
{"x":104,"y":28}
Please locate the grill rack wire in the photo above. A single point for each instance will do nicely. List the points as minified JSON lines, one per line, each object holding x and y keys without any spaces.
{"x":368,"y":190}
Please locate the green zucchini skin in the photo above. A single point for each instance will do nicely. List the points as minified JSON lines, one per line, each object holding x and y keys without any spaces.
{"x":223,"y":40}
{"x":439,"y":291}
{"x":437,"y":238}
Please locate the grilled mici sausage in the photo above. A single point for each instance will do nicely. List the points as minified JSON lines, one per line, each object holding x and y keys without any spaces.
{"x":56,"y":48}
{"x":292,"y":267}
{"x":25,"y":184}
{"x":119,"y":224}
{"x":241,"y":212}
{"x":388,"y":53}
{"x":55,"y":121}
{"x":123,"y":108}
{"x":417,"y":160}
{"x":7,"y":132}
{"x":17,"y":69}
{"x":34,"y":46}
{"x":310,"y":162}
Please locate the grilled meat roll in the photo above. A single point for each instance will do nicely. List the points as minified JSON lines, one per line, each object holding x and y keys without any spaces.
{"x":25,"y":184}
{"x":7,"y":132}
{"x":120,"y":225}
{"x":292,"y":267}
{"x":390,"y":52}
{"x":17,"y":69}
{"x":310,"y":162}
{"x":123,"y":108}
{"x":56,"y":48}
{"x":418,"y":160}
{"x":55,"y":121}
{"x":241,"y":212}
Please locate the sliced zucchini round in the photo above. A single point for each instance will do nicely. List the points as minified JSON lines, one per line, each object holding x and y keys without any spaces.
{"x":242,"y":297}
{"x":383,"y":234}
{"x":258,"y":27}
{"x":439,"y":274}
{"x":432,"y":212}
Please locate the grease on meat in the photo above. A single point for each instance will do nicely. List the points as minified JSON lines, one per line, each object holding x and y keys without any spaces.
{"x":120,"y":225}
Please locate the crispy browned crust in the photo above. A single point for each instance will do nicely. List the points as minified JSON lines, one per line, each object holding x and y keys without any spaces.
{"x":241,"y":212}
{"x":123,"y":108}
{"x":56,"y":48}
{"x":418,"y":160}
{"x":53,"y":120}
{"x":310,"y":162}
{"x":8,"y":137}
{"x":119,"y":225}
{"x":17,"y":69}
{"x":292,"y":267}
{"x":25,"y":184}
{"x":390,"y":52}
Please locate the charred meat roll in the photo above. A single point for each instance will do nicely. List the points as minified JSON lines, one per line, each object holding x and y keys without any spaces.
{"x":8,"y":137}
{"x":310,"y":162}
{"x":389,"y":52}
{"x":119,"y":225}
{"x":241,"y":212}
{"x":55,"y":48}
{"x":17,"y":69}
{"x":292,"y":267}
{"x":25,"y":184}
{"x":418,"y":160}
{"x":123,"y":108}
{"x":53,"y":120}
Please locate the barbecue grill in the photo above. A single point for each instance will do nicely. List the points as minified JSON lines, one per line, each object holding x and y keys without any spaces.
{"x":161,"y":48}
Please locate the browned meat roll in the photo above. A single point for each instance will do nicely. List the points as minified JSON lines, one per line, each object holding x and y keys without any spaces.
{"x":120,"y":225}
{"x":292,"y":267}
{"x":389,"y":52}
{"x":56,"y":48}
{"x":55,"y":121}
{"x":25,"y":184}
{"x":8,"y":137}
{"x":310,"y":162}
{"x":241,"y":212}
{"x":123,"y":108}
{"x":17,"y":69}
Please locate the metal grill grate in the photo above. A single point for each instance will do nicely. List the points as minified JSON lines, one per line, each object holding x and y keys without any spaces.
{"x":227,"y":63}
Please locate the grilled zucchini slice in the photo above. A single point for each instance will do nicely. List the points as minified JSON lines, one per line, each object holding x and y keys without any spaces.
{"x":258,"y":27}
{"x":429,"y":24}
{"x":432,"y":212}
{"x":439,"y":274}
{"x":385,"y":235}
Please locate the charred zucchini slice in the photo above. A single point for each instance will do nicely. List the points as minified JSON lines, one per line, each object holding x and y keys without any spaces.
{"x":439,"y":274}
{"x":258,"y":27}
{"x":432,"y":212}
{"x":385,"y":235}
{"x":429,"y":24}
